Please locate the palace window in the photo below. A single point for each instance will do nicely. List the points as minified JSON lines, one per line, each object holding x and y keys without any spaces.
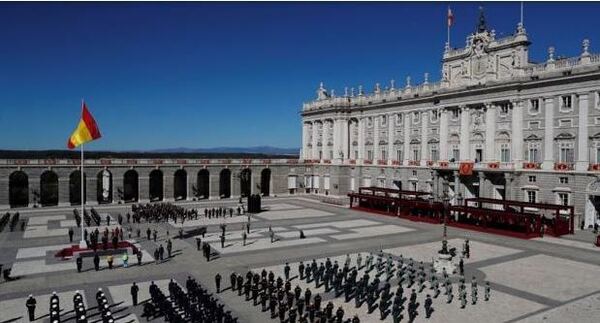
{"x":597,"y":120}
{"x":531,"y":196}
{"x":320,"y":154}
{"x":566,"y":152}
{"x":370,"y":122}
{"x":399,"y":119}
{"x":416,"y":117}
{"x":356,"y":154}
{"x":416,"y":154}
{"x":455,"y":114}
{"x":414,"y":173}
{"x":369,"y":155}
{"x":563,"y":180}
{"x":562,"y":198}
{"x":399,"y":155}
{"x":383,"y":120}
{"x":331,"y":154}
{"x":381,"y":182}
{"x":566,"y":123}
{"x":455,"y":152}
{"x":566,"y":103}
{"x":531,"y":179}
{"x":534,"y":106}
{"x":505,"y":153}
{"x":383,"y":154}
{"x":503,"y":109}
{"x":534,"y":124}
{"x":434,"y":153}
{"x":597,"y":96}
{"x":533,"y":153}
{"x":434,"y":116}
{"x":597,"y":153}
{"x":435,"y":131}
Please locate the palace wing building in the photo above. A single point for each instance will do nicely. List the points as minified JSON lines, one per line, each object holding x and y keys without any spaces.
{"x":517,"y":129}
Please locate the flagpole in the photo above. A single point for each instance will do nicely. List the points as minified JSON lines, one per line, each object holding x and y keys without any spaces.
{"x":82,"y":243}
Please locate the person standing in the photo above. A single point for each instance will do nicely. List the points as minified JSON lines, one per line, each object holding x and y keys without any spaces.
{"x":169,"y":247}
{"x":30,"y":304}
{"x":96,"y":262}
{"x":79,"y":262}
{"x":222,"y":241}
{"x":134,"y":293}
{"x":139,"y":257}
{"x":218,"y":282}
{"x":109,"y":260}
{"x":198,"y":243}
{"x":244,"y":236}
{"x":71,"y":234}
{"x":125,"y":260}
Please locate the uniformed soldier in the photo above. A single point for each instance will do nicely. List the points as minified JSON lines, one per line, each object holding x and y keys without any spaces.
{"x":463,"y":299}
{"x":96,"y":262}
{"x":461,"y":267}
{"x":30,"y":304}
{"x":428,"y":303}
{"x":222,"y":241}
{"x":487,"y":291}
{"x":449,"y":293}
{"x":134,"y":294}
{"x":79,"y":262}
{"x":244,"y":236}
{"x":71,"y":234}
{"x":286,"y":271}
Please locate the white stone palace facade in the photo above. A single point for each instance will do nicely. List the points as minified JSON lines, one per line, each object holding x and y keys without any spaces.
{"x":531,"y":130}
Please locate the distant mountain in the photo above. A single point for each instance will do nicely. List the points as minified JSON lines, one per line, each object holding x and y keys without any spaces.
{"x":267,"y":150}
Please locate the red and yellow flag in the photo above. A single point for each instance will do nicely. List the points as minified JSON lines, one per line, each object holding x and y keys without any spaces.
{"x":87,"y":129}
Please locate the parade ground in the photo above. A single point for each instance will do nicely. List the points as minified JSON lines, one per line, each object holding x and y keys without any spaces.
{"x":538,"y":280}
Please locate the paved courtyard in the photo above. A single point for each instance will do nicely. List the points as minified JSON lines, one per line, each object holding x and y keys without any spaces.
{"x":539,"y":280}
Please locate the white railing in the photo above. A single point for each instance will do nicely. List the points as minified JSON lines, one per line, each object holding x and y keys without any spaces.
{"x":147,"y":161}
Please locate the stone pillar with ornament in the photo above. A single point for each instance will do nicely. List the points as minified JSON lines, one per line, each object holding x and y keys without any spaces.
{"x":444,"y":134}
{"x":548,"y":163}
{"x":517,"y":134}
{"x":464,"y":134}
{"x":424,"y":132}
{"x":361,"y":140}
{"x":406,"y":131}
{"x":315,"y":137}
{"x":376,"y":155}
{"x":390,"y":140}
{"x":490,"y":132}
{"x":582,"y":136}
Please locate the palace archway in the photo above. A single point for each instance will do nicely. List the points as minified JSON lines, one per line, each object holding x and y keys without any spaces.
{"x":49,"y":188}
{"x":180,"y":185}
{"x":156,"y":185}
{"x":265,"y":182}
{"x":130,"y":186}
{"x":225,"y":183}
{"x":18,"y":189}
{"x":245,"y":182}
{"x":203,"y":184}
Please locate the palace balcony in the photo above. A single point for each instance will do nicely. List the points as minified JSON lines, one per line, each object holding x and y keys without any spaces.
{"x":532,"y":165}
{"x":564,"y":166}
{"x":594,"y":167}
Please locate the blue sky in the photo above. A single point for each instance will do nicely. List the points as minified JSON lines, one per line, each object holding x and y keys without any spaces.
{"x":161,"y":75}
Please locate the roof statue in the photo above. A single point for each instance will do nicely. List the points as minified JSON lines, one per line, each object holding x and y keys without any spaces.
{"x":481,"y":26}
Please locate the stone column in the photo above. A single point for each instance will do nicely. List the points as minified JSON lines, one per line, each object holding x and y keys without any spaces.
{"x":325,"y":148}
{"x":91,"y":188}
{"x":336,"y":140}
{"x":548,"y":163}
{"x":361,"y":139}
{"x":482,"y":191}
{"x":464,"y":134}
{"x":444,"y":134}
{"x":424,"y":130}
{"x":517,"y":134}
{"x":582,"y":136}
{"x":169,"y":185}
{"x":63,"y":191}
{"x":376,"y":155}
{"x":315,"y":138}
{"x":490,"y":133}
{"x":508,"y":186}
{"x":457,"y":188}
{"x":391,"y":155}
{"x":304,"y":141}
{"x":344,"y":135}
{"x":406,"y":131}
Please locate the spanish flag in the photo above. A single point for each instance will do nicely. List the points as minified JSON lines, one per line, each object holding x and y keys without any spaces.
{"x":87,"y":129}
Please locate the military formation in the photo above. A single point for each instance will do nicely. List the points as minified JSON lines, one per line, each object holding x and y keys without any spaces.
{"x":197,"y":305}
{"x":364,"y":282}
